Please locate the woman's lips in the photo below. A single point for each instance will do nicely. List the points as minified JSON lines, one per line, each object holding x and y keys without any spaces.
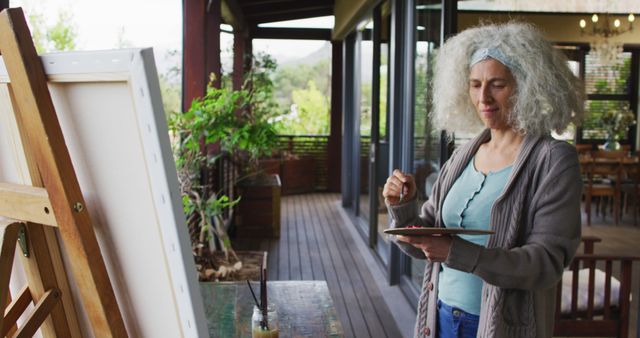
{"x":488,"y":112}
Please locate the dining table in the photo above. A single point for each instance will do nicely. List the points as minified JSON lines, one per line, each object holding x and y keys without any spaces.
{"x":304,"y":308}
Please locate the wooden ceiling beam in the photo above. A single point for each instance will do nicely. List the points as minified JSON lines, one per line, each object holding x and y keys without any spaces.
{"x":250,"y":8}
{"x":253,"y":3}
{"x":291,"y":33}
{"x":290,"y":15}
{"x":233,"y":15}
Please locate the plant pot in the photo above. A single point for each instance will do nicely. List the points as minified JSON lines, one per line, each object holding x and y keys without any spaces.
{"x":270,"y":166}
{"x":258,"y":212}
{"x":298,"y":175}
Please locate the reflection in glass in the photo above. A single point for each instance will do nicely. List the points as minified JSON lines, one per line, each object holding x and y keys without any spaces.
{"x":426,"y":140}
{"x":382,"y":161}
{"x":365,"y":53}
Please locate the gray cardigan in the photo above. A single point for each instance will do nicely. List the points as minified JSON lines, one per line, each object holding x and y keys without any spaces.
{"x":537,"y":231}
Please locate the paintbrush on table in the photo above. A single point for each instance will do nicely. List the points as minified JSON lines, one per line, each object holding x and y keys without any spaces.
{"x":263,"y":293}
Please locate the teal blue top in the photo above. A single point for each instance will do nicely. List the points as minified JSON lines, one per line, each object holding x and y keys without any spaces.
{"x":468,"y":205}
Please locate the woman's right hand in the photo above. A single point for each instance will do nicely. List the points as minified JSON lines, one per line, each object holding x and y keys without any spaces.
{"x":396,"y":183}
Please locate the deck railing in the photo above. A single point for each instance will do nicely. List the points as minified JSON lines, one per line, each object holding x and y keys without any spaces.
{"x":314,"y":146}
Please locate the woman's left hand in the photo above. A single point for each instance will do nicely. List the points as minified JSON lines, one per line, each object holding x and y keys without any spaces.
{"x":436,"y":248}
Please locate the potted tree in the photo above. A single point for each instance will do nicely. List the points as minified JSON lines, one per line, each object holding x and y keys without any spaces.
{"x":193,"y":132}
{"x":258,"y":212}
{"x":237,"y":123}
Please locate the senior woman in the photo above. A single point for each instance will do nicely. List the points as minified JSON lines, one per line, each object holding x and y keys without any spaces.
{"x":512,"y":178}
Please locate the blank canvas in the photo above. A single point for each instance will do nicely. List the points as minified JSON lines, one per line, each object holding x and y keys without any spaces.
{"x":110,"y":110}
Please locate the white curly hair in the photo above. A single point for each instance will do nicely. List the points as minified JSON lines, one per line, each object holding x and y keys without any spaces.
{"x":548,"y":96}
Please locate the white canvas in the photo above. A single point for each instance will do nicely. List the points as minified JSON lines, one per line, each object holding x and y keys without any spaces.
{"x":110,"y":110}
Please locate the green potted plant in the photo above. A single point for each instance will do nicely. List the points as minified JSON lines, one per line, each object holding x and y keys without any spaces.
{"x":205,"y":123}
{"x":238,"y":122}
{"x":616,"y":121}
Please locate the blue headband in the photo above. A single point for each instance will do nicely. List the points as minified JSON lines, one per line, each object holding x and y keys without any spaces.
{"x":494,"y":53}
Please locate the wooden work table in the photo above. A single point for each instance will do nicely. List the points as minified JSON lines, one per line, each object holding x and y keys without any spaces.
{"x":305,"y":308}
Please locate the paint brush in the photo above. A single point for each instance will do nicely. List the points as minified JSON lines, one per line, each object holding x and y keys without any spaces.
{"x":263,"y":293}
{"x":253,"y":294}
{"x":263,"y":269}
{"x":401,"y":193}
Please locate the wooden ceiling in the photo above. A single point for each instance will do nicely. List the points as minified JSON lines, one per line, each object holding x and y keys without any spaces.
{"x":255,"y":12}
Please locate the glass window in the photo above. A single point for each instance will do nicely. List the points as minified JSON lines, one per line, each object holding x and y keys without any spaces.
{"x":608,"y":89}
{"x":365,"y":65}
{"x":426,"y":139}
{"x":382,"y":147}
{"x":606,"y":79}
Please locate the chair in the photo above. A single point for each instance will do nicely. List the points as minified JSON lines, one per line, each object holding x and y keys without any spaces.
{"x":630,"y":186}
{"x":602,"y":177}
{"x":584,"y":148}
{"x":591,"y":302}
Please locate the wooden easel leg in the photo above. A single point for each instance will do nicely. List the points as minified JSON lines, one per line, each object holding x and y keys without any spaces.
{"x":11,"y":330}
{"x":44,"y":267}
{"x":44,"y":275}
{"x":38,"y":120}
{"x":8,"y":238}
{"x":14,"y":311}
{"x":39,"y":314}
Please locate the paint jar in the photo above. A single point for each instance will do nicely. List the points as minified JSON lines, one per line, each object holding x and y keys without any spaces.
{"x":264,"y":326}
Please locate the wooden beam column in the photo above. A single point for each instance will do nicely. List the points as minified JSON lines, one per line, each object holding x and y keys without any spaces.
{"x":240,"y":46}
{"x":194,"y":74}
{"x":213,"y":20}
{"x":201,"y":47}
{"x":334,"y":152}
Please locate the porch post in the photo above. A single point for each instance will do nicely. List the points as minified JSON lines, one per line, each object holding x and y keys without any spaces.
{"x":213,"y":19}
{"x":241,"y":57}
{"x":194,"y":75}
{"x":348,"y":104}
{"x":335,"y":133}
{"x":239,"y":43}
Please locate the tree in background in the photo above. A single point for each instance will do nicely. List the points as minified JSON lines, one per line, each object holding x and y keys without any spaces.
{"x":308,"y":114}
{"x":170,"y":84}
{"x":61,"y":36}
{"x":306,"y":90}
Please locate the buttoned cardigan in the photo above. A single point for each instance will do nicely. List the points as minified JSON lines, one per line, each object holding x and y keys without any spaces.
{"x":536,"y":221}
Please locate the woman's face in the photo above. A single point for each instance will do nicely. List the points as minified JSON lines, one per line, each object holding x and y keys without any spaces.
{"x":491,"y":86}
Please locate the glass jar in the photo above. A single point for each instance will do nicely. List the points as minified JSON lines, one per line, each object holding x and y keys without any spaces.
{"x":262,"y":327}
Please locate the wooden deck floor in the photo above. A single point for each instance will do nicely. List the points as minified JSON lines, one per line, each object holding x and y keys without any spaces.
{"x":314,"y":245}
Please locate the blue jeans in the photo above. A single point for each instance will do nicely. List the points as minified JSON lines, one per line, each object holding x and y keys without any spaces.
{"x":455,"y":323}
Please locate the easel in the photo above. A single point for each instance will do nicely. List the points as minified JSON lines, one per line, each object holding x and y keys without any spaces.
{"x":54,"y":201}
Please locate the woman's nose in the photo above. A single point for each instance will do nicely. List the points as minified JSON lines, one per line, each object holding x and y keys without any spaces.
{"x":485,"y":94}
